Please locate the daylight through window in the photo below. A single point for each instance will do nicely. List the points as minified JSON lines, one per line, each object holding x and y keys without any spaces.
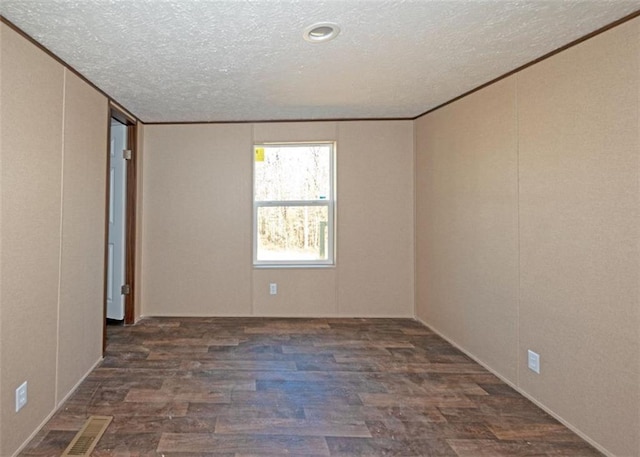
{"x":293,"y":204}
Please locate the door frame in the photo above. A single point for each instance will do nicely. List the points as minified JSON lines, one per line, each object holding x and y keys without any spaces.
{"x":130,"y":219}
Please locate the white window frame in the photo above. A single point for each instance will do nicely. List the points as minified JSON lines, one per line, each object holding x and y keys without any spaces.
{"x":329,"y":202}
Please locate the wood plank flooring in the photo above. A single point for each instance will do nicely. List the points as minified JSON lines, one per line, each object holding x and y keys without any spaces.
{"x":239,"y":387}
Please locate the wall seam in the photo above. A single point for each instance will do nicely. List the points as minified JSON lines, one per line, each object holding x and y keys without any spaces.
{"x":415,"y":217}
{"x":638,"y":190}
{"x":252,"y":235}
{"x":336,"y":217}
{"x":62,"y":149}
{"x":137,"y":274}
{"x":518,"y":297}
{"x":2,"y":192}
{"x":55,"y":410}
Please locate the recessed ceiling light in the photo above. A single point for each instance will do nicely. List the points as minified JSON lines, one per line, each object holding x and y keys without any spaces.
{"x":321,"y":32}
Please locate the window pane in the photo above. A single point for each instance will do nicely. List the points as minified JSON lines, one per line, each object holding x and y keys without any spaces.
{"x":299,"y":172}
{"x":294,"y":233}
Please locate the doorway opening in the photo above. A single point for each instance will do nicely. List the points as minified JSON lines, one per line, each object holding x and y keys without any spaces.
{"x":119,"y":302}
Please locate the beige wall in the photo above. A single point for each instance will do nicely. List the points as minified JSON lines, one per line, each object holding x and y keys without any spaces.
{"x":139,"y":221}
{"x":528,"y":202}
{"x":53,"y":139}
{"x":375,"y":219}
{"x":197,"y":223}
{"x":196,"y":244}
{"x":81,"y":287}
{"x":467,"y":224}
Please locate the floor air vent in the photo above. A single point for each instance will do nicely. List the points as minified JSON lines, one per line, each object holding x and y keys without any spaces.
{"x":88,"y":436}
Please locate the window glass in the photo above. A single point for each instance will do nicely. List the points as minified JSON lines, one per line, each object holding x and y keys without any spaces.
{"x":293,"y":204}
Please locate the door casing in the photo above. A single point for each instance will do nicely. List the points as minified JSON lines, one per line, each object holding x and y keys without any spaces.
{"x":130,"y":220}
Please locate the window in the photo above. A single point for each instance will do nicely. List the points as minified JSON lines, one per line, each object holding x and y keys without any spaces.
{"x":293,"y":204}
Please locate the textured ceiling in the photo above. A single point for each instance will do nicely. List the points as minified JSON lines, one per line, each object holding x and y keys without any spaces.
{"x":189,"y":60}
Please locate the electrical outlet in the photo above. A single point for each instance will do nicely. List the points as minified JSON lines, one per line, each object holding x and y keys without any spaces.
{"x":273,"y":288}
{"x":21,"y":396}
{"x":533,"y":361}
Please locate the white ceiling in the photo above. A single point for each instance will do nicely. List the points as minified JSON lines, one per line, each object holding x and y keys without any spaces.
{"x":189,"y":60}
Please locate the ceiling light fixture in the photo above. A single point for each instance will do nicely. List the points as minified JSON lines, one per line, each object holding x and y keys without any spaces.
{"x":321,"y":32}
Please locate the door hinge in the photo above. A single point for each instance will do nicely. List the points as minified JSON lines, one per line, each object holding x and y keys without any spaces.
{"x":125,"y":290}
{"x":126,"y":154}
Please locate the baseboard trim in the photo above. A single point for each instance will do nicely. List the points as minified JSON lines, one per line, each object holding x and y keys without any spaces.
{"x":528,"y":396}
{"x":56,"y":409}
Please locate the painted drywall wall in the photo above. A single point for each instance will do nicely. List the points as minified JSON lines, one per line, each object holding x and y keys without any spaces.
{"x":32,"y":97}
{"x":197,"y":237}
{"x":51,"y":230}
{"x":139,"y":220}
{"x":1,"y":228}
{"x":81,"y":312}
{"x":196,"y":242}
{"x":375,"y":219}
{"x":467,"y":224}
{"x":579,"y":154}
{"x":528,"y":203}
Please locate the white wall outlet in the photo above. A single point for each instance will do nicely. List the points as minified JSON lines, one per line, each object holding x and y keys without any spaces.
{"x":273,"y":288}
{"x":21,"y":396}
{"x":533,"y":361}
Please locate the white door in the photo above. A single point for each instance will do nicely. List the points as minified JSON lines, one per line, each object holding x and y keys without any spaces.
{"x":117,"y":208}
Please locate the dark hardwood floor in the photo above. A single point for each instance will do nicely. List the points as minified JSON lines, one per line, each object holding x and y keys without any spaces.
{"x":299,"y":387}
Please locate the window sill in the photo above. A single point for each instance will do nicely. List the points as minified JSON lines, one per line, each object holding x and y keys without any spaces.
{"x":293,"y":266}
